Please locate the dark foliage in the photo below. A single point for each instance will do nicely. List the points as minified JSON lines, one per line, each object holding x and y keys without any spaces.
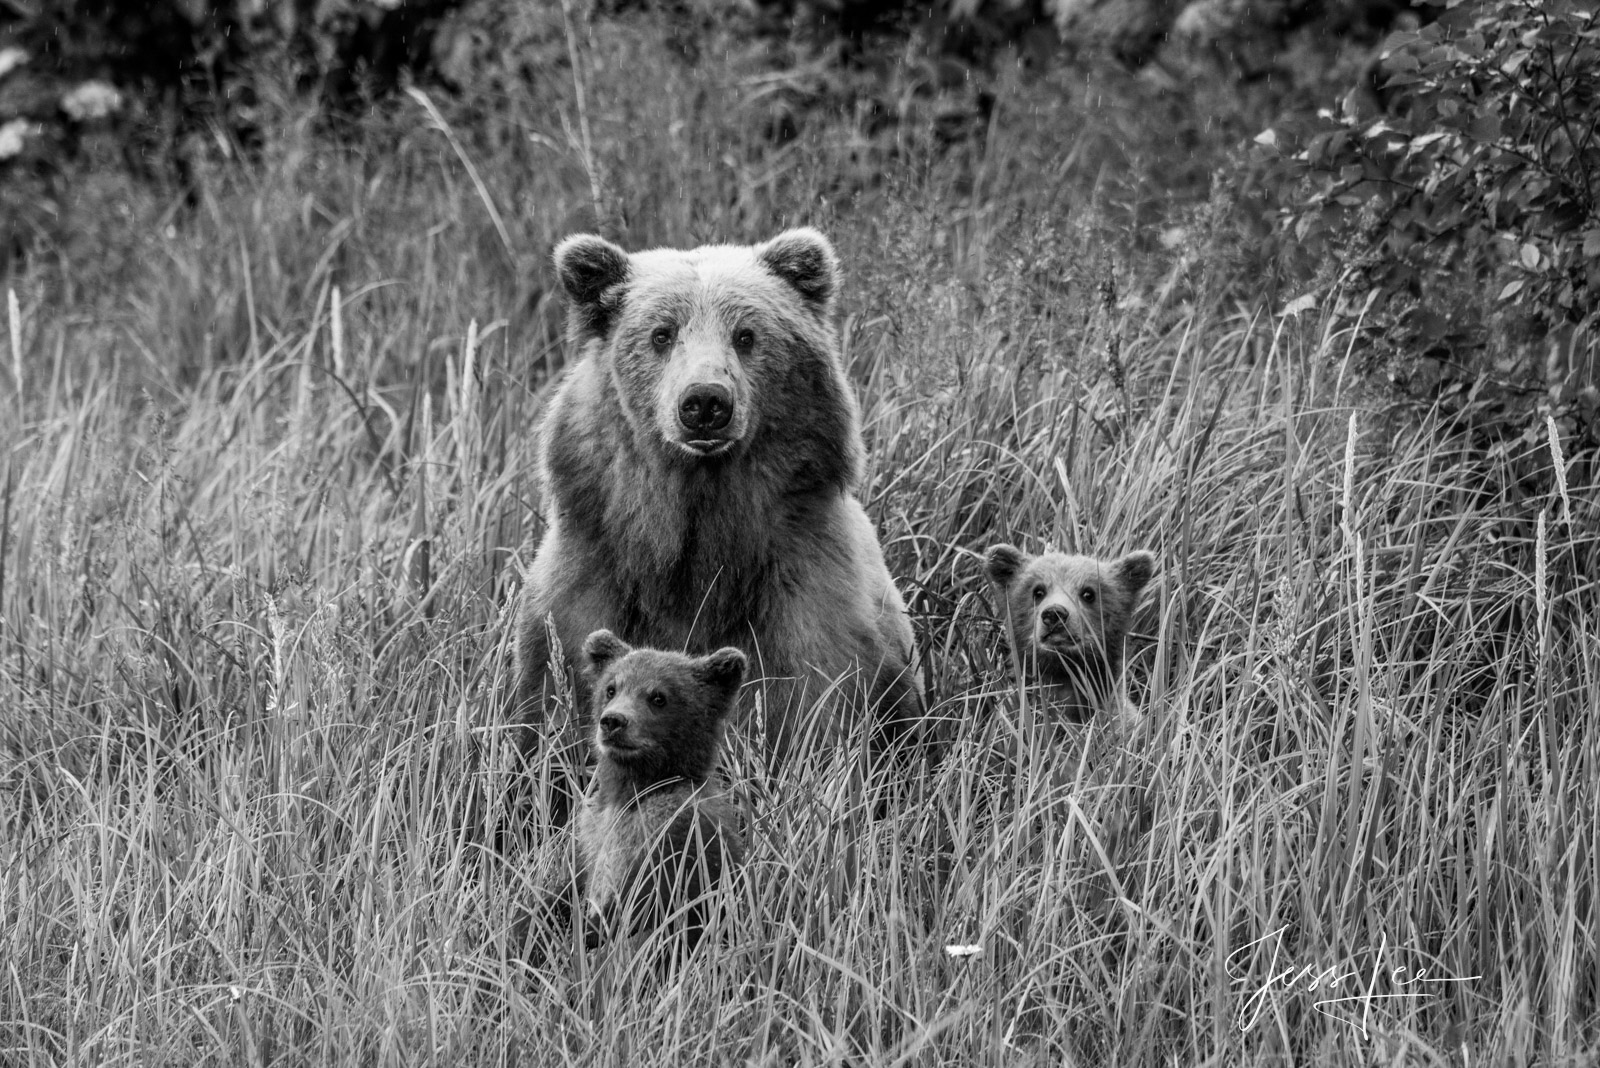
{"x":1459,"y":225}
{"x":174,"y":81}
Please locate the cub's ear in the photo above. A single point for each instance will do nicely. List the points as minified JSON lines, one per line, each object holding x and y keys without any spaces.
{"x":1002,"y":562}
{"x":723,"y":669}
{"x":588,"y":265}
{"x":600,"y":650}
{"x":1133,"y":571}
{"x":806,"y":260}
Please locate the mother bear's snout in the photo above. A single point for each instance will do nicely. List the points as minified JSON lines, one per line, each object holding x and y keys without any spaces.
{"x":705,"y":406}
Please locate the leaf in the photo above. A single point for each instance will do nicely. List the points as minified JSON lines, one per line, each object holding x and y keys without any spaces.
{"x":1394,"y":47}
{"x":1485,"y":128}
{"x":1429,"y":138}
{"x":1512,"y":288}
{"x":1591,"y":244}
{"x":1267,"y":137}
{"x":1307,"y":302}
{"x":1530,"y":256}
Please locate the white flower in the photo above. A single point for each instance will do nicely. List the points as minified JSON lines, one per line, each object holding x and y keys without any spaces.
{"x":11,"y":137}
{"x":963,"y":951}
{"x":11,"y":59}
{"x":91,"y":100}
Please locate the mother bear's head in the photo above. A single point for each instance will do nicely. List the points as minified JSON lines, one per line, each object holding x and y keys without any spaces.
{"x":720,"y":353}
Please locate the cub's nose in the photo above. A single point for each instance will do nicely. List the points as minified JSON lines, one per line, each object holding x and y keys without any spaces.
{"x":612,"y":724}
{"x":705,"y":406}
{"x":1054,"y":618}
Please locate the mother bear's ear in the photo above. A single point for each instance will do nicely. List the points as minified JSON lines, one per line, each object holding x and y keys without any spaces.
{"x":588,"y":265}
{"x":806,"y":260}
{"x":590,"y":269}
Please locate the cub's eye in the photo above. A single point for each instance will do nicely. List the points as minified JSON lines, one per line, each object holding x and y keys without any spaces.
{"x":744,"y":340}
{"x":658,"y":699}
{"x":1086,"y":596}
{"x":611,"y":691}
{"x":1039,"y":594}
{"x":662,"y":337}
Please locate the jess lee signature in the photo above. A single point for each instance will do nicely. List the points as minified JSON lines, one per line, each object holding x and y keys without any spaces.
{"x":1340,"y":989}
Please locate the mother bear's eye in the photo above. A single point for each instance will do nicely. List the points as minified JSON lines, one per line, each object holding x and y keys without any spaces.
{"x":1086,"y":596}
{"x":744,"y":340}
{"x":662,"y":337}
{"x":1038,"y":594}
{"x":658,"y":699}
{"x":611,"y":691}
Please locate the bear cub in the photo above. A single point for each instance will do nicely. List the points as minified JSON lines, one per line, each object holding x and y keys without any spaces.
{"x":1067,"y":617}
{"x":654,"y":831}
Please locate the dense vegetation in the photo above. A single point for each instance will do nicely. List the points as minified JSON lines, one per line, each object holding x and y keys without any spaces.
{"x":265,"y":490}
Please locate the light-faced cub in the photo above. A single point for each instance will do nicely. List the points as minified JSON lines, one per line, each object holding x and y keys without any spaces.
{"x":1067,"y":617}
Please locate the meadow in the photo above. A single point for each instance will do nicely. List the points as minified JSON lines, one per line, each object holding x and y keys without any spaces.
{"x":267,"y":489}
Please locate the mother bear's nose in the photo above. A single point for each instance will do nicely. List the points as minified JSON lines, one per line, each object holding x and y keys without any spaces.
{"x":705,"y":406}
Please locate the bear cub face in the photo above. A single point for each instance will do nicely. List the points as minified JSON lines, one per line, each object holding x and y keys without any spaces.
{"x":660,"y":715}
{"x":690,"y":334}
{"x":1068,"y":617}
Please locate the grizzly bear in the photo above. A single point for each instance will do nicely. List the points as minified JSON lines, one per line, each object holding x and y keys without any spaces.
{"x":1067,"y":618}
{"x":654,"y":831}
{"x":699,"y":463}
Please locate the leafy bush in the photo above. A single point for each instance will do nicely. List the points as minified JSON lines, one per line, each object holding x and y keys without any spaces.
{"x":1467,"y":213}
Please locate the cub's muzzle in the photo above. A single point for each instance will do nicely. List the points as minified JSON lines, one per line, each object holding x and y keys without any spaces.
{"x":612,"y":731}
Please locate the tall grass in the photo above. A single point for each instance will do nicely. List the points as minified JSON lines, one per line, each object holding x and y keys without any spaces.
{"x":266,"y":489}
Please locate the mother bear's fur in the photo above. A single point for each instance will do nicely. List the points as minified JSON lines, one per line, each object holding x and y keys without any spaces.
{"x":698,"y":463}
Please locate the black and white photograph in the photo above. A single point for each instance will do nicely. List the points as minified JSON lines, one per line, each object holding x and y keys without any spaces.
{"x":800,"y":533}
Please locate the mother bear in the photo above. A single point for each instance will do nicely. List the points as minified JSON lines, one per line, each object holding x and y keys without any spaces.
{"x":698,"y":463}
